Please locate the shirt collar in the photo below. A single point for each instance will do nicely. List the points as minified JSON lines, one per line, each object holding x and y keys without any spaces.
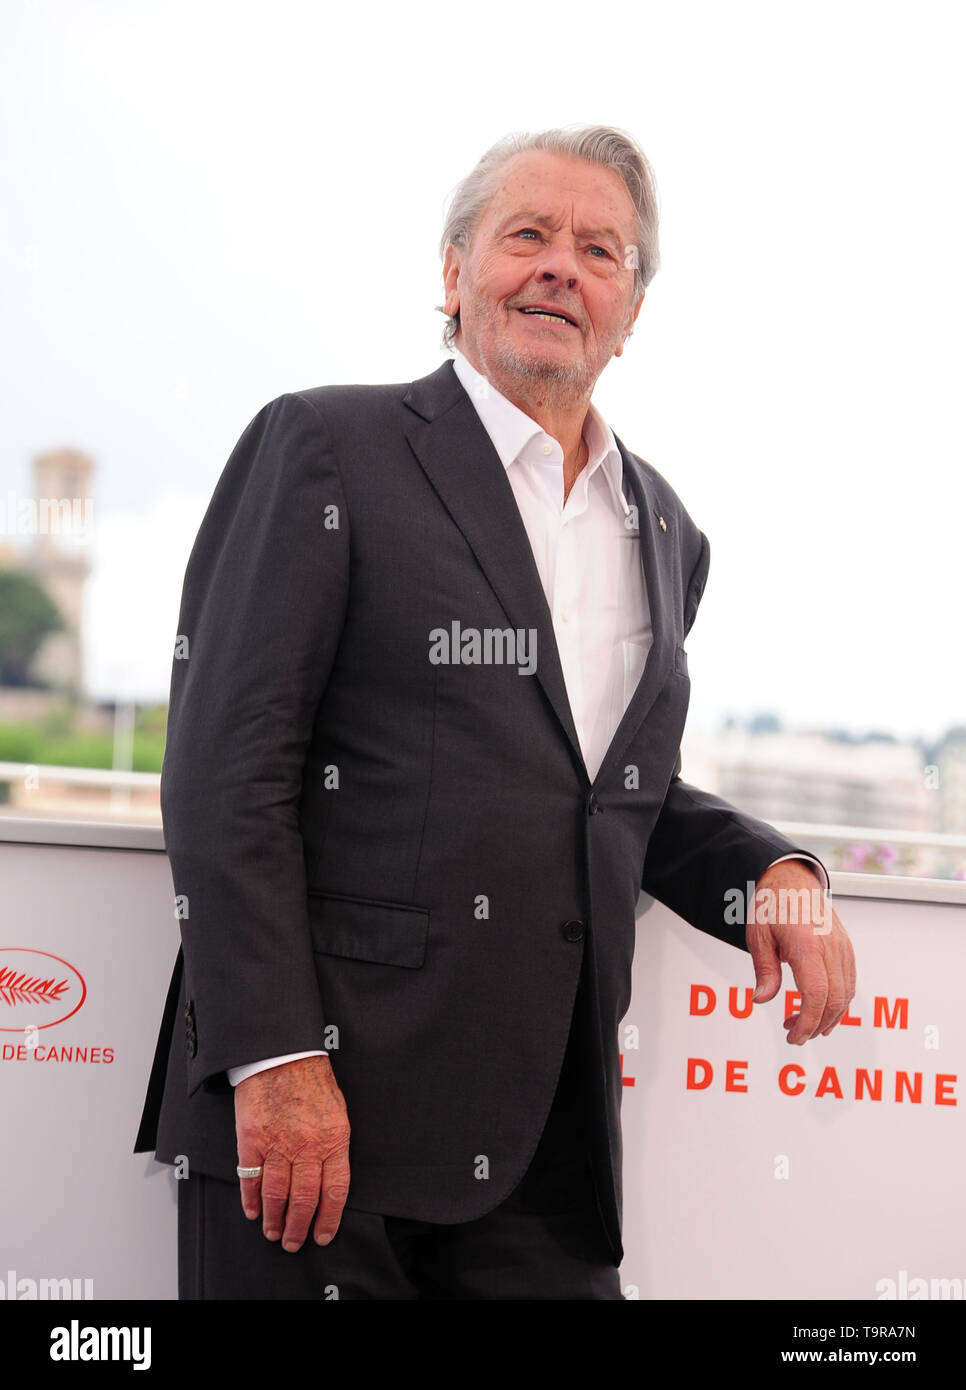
{"x":511,"y":431}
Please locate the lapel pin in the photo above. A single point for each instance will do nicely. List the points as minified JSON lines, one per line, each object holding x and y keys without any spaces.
{"x":662,"y":523}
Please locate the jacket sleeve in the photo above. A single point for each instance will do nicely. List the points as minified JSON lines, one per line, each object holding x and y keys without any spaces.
{"x":262,"y":609}
{"x":701,"y":846}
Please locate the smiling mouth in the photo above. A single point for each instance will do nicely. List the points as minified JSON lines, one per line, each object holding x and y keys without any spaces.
{"x":548,"y":316}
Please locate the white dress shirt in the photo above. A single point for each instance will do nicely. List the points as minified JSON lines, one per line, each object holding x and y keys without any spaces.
{"x":588,"y":557}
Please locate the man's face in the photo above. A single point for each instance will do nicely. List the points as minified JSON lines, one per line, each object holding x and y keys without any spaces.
{"x":555,"y":233}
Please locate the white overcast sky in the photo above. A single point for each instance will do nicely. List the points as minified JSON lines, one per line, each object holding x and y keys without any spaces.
{"x":205,"y":204}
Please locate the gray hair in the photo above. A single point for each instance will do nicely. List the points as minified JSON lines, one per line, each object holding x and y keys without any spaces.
{"x":598,"y":144}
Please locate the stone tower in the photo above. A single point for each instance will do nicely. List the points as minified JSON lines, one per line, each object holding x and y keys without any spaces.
{"x":59,"y":558}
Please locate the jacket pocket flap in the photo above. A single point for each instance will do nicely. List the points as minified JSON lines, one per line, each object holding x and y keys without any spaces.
{"x":363,"y":929}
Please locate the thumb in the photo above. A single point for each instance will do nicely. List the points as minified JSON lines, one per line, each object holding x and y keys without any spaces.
{"x":768,"y":970}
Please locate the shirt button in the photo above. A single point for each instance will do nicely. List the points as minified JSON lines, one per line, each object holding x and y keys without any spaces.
{"x":546,"y":448}
{"x":572,"y":931}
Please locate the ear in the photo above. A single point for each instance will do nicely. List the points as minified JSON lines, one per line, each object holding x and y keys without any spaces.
{"x":452,"y":263}
{"x":628,"y":326}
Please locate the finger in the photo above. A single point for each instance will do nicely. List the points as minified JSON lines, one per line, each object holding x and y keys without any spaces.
{"x":814,"y":991}
{"x":840,"y":994}
{"x":834,"y":1013}
{"x":303,"y":1199}
{"x":838,"y":998}
{"x":276,"y":1180}
{"x":335,"y":1190}
{"x":842,"y":941}
{"x":251,"y":1197}
{"x":852,"y":977}
{"x":768,"y":969}
{"x":250,"y":1188}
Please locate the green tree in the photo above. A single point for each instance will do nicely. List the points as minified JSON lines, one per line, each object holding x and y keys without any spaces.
{"x":27,"y":616}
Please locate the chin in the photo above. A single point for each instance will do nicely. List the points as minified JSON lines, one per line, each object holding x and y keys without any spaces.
{"x":538,"y":366}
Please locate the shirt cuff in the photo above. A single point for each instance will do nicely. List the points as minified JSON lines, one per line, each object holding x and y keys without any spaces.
{"x":808,"y":859}
{"x":236,"y":1074}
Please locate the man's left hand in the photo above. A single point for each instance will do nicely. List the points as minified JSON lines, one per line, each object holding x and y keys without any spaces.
{"x":819,"y":951}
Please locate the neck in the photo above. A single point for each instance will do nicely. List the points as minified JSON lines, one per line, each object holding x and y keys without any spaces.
{"x":554,"y":408}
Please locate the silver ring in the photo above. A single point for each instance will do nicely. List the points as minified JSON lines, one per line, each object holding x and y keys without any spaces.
{"x":249,"y":1172}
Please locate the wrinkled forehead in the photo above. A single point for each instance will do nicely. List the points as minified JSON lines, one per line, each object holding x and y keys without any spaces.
{"x":560,"y":191}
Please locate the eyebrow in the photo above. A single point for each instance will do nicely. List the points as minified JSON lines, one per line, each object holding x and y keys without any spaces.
{"x":538,"y":219}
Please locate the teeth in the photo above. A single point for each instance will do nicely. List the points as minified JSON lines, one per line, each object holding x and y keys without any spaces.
{"x":549,"y":318}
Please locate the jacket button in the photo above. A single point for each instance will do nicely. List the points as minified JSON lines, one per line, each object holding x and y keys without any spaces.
{"x":593,"y":805}
{"x":572,"y":931}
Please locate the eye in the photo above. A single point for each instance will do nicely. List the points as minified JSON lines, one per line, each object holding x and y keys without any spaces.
{"x":604,"y":253}
{"x":528,"y":231}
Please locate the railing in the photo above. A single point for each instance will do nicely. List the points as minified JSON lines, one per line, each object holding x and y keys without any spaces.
{"x":108,"y":798}
{"x":42,"y":790}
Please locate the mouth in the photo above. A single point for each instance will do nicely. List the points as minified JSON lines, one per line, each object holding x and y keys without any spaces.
{"x":547,"y":315}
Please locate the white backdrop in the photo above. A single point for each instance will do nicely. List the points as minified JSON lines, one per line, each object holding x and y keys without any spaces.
{"x":759,"y":1194}
{"x":75,"y":1201}
{"x":728,"y":1193}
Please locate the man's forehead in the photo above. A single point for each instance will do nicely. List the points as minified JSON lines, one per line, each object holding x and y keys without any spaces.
{"x":555,"y":186}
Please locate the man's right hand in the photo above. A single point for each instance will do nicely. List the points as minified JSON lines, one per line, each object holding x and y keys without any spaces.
{"x":291,"y":1120}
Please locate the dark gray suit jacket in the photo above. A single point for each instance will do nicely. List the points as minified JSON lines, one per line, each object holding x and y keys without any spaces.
{"x":413,"y":851}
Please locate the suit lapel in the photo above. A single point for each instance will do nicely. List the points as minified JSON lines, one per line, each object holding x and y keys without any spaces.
{"x":458,"y":457}
{"x":657,"y":546}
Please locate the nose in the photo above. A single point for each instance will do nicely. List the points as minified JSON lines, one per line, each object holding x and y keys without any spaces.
{"x":559,"y":262}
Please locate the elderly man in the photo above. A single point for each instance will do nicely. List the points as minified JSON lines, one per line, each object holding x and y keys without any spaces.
{"x":422,"y":758}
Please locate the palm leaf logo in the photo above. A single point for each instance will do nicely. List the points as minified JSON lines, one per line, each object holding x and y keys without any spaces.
{"x":29,"y":989}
